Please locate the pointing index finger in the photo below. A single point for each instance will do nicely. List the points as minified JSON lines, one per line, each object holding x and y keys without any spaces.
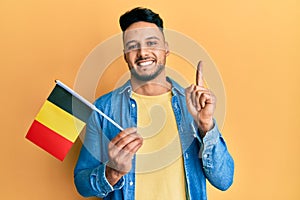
{"x":199,"y":74}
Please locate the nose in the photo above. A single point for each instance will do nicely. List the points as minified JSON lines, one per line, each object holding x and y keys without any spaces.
{"x":143,"y":51}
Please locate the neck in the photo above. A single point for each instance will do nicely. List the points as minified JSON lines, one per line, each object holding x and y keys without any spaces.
{"x":154,"y":87}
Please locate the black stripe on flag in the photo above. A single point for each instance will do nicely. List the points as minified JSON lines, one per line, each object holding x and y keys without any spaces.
{"x":66,"y":101}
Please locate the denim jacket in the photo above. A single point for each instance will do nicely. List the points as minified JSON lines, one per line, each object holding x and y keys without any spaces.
{"x":206,"y":158}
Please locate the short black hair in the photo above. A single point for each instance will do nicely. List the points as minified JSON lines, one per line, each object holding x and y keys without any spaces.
{"x":140,"y":14}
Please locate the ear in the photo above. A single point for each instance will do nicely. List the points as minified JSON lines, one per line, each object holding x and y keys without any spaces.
{"x":167,"y":48}
{"x":124,"y":55}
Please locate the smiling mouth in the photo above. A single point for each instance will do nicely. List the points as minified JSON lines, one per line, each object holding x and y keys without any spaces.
{"x":145,"y":63}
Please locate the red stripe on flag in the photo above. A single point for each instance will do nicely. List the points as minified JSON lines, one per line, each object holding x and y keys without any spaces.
{"x":49,"y":140}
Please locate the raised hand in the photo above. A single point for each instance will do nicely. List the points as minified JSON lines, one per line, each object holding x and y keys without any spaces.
{"x":201,"y":102}
{"x":121,"y":150}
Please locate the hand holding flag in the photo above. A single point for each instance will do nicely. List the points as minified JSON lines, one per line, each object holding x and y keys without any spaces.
{"x":60,"y":121}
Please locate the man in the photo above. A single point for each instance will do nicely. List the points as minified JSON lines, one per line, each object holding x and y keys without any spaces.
{"x":177,"y":144}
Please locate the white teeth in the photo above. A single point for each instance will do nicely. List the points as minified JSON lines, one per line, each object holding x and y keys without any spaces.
{"x":145,"y":63}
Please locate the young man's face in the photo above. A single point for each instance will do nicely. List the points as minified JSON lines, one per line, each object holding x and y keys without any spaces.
{"x":145,"y":50}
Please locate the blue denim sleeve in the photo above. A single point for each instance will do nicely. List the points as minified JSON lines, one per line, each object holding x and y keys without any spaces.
{"x":217,"y":162}
{"x":89,"y":172}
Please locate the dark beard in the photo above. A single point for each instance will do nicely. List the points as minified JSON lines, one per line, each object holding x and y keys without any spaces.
{"x":147,"y":77}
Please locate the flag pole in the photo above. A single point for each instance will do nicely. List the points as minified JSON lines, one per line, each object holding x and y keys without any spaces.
{"x":86,"y":102}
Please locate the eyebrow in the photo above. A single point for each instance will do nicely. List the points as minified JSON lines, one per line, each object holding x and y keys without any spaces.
{"x":148,"y":38}
{"x":152,"y":37}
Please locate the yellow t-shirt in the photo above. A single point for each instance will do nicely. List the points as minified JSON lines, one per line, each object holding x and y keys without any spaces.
{"x":159,"y":162}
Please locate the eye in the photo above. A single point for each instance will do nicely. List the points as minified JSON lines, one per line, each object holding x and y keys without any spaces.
{"x":151,"y":43}
{"x":132,"y":47}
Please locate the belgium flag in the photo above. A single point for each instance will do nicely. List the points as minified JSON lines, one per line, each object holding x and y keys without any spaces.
{"x":59,"y":122}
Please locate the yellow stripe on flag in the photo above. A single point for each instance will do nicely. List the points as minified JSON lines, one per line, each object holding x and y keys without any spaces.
{"x":60,"y":121}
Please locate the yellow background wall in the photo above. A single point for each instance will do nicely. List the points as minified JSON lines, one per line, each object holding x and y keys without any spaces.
{"x":255,"y":45}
